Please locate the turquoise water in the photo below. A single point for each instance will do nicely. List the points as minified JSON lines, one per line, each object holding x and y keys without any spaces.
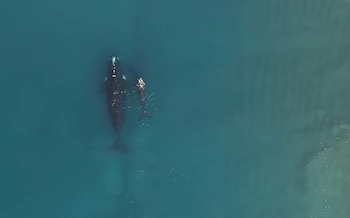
{"x":249,"y":99}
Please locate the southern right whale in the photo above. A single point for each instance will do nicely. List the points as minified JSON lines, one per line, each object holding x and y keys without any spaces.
{"x":116,"y":91}
{"x":141,"y":89}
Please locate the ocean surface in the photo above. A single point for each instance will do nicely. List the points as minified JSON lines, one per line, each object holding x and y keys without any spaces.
{"x":250,"y":104}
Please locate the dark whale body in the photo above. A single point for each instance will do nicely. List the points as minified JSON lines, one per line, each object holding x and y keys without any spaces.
{"x":115,"y":84}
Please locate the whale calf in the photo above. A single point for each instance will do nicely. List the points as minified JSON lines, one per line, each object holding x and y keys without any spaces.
{"x":141,"y":87}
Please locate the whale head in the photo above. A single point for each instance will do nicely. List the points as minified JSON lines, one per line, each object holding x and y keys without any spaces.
{"x":113,"y":59}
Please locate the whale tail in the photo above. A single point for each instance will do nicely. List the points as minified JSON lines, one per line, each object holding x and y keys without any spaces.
{"x":144,"y":115}
{"x":119,"y":147}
